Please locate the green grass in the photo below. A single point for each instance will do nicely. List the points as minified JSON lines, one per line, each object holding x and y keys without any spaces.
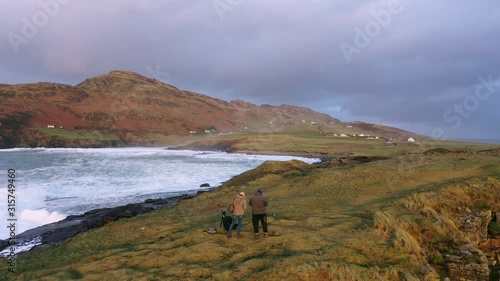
{"x":494,"y":228}
{"x":317,"y":143}
{"x":78,"y":135}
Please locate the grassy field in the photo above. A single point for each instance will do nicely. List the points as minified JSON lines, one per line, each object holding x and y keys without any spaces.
{"x":78,"y":135}
{"x":392,"y":219}
{"x":328,"y":145}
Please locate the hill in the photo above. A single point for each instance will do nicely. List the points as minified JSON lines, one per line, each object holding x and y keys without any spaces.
{"x":125,"y":108}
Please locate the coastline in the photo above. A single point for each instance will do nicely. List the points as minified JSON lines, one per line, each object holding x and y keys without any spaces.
{"x":226,"y":147}
{"x":342,"y":199}
{"x":54,"y":233}
{"x":324,"y":157}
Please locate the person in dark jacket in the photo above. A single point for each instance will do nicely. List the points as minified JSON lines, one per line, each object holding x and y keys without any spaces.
{"x":259,"y":204}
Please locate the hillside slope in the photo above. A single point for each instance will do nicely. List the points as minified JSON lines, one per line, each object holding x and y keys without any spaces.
{"x":125,"y":108}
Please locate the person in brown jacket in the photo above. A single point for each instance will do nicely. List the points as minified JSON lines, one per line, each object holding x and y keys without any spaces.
{"x":240,"y":205}
{"x":259,"y":204}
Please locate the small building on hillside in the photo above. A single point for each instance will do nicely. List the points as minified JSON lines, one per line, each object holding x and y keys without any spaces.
{"x":51,"y":126}
{"x":411,"y":140}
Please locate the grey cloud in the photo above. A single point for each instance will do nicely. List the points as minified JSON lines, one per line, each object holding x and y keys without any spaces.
{"x":426,"y":59}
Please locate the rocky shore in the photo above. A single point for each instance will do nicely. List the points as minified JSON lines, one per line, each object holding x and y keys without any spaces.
{"x":55,"y":233}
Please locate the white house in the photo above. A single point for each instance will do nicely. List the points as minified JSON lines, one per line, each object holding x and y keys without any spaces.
{"x":51,"y":126}
{"x":192,"y":132}
{"x":411,"y":140}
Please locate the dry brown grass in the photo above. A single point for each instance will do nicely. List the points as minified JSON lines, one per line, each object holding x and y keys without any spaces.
{"x":332,"y":221}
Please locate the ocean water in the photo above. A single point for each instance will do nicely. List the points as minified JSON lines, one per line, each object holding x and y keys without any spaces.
{"x":54,"y":183}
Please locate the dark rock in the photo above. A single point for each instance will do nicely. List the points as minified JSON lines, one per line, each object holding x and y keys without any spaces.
{"x":126,"y":214}
{"x":205,"y":185}
{"x":475,"y":225}
{"x":65,"y":231}
{"x":4,"y":244}
{"x":474,"y":260}
{"x":497,"y":217}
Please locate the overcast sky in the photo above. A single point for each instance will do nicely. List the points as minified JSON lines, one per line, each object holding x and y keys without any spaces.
{"x":431,"y":67}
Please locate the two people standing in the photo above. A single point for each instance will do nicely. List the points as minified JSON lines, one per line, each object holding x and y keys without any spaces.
{"x":259,"y":203}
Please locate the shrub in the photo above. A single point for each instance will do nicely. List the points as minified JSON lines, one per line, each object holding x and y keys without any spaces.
{"x":494,"y":228}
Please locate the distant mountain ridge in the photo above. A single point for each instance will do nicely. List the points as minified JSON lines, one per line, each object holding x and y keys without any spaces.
{"x":125,"y":108}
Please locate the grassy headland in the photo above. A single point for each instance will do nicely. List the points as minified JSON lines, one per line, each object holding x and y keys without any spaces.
{"x":404,"y":212}
{"x":322,"y":144}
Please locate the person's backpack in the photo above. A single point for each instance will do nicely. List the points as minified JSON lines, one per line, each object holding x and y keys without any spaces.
{"x":230,"y":208}
{"x":226,"y":221}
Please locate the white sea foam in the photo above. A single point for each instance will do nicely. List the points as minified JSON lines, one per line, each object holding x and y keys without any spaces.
{"x":32,"y":218}
{"x":22,"y":247}
{"x":52,"y":183}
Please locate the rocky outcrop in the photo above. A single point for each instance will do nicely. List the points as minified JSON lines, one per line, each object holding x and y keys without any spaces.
{"x":467,"y":263}
{"x":475,"y":225}
{"x":478,"y":259}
